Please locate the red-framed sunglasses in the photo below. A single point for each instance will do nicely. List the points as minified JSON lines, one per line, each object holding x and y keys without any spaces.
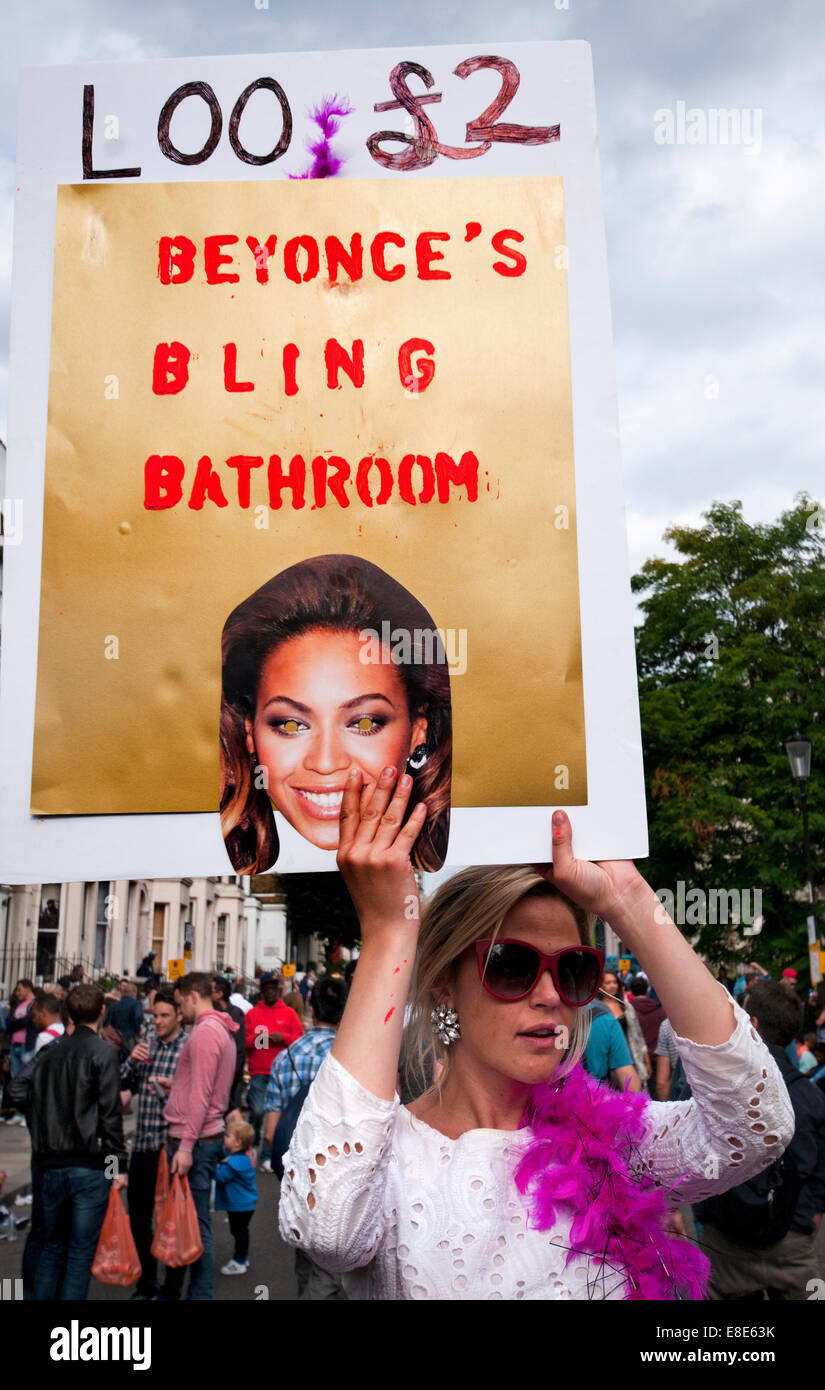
{"x":510,"y":969}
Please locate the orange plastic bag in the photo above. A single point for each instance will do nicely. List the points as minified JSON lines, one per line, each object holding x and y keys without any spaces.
{"x":116,"y":1258}
{"x":178,"y":1238}
{"x":161,"y":1187}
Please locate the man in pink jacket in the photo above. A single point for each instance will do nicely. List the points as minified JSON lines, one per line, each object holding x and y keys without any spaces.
{"x":195,"y":1112}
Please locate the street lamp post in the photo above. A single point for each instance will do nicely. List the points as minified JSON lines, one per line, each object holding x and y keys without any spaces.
{"x":799,"y":757}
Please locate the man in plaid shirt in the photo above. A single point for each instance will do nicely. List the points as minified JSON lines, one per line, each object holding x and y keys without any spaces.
{"x":149,"y":1071}
{"x":293,"y":1068}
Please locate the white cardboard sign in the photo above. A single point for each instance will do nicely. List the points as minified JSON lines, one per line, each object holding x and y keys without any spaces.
{"x":504,"y":112}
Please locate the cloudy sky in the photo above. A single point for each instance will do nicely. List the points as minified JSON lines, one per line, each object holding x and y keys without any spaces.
{"x":715,"y":253}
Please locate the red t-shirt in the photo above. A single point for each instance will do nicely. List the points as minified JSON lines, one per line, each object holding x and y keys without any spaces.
{"x":260,"y":1022}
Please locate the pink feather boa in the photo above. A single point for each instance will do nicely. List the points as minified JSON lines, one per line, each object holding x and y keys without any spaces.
{"x":327,"y":117}
{"x":585,"y":1135}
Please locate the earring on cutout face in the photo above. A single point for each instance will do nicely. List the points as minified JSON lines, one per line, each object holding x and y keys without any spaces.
{"x":445,"y":1024}
{"x":418,"y":757}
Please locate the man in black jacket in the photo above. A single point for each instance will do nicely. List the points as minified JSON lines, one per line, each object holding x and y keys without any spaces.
{"x":77,"y":1142}
{"x":760,"y":1236}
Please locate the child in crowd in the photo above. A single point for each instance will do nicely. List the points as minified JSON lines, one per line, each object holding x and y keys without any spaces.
{"x":235,"y":1190}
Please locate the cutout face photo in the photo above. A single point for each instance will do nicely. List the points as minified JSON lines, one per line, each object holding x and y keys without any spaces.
{"x":310,"y":692}
{"x":320,"y":712}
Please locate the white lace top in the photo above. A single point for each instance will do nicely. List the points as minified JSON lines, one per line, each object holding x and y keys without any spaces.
{"x":403,"y":1212}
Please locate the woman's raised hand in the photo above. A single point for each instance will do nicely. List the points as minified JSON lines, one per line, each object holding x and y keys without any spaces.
{"x":374,"y":850}
{"x":610,"y":889}
{"x":695,"y":1004}
{"x":374,"y":858}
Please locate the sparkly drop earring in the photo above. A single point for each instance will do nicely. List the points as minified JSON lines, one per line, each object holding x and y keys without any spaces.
{"x":445,"y":1024}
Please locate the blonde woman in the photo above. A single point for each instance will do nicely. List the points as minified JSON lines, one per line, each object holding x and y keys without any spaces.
{"x":515,"y":1176}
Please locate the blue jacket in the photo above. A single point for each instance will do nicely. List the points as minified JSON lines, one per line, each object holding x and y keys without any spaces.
{"x":235,"y":1188}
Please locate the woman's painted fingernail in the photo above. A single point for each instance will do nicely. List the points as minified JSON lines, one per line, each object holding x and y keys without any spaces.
{"x":406,"y":781}
{"x":388,"y":774}
{"x":352,"y":774}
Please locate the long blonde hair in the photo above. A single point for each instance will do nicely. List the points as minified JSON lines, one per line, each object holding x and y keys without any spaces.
{"x":469,"y":907}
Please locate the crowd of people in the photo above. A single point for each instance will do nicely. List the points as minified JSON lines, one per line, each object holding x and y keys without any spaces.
{"x":222,"y":1085}
{"x":631,"y":1042}
{"x":181,"y":1054}
{"x":638,"y":1048}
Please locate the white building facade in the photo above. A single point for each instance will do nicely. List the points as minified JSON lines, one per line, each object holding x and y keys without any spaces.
{"x":110,"y":926}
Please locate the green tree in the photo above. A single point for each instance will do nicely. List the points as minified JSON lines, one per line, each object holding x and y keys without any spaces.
{"x":320,"y":903}
{"x":730,"y":656}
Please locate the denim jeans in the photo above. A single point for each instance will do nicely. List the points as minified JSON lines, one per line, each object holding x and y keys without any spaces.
{"x":143,"y":1173}
{"x":18,"y":1058}
{"x":74,"y":1205}
{"x":256,"y":1099}
{"x":19,"y":1055}
{"x":206,"y":1156}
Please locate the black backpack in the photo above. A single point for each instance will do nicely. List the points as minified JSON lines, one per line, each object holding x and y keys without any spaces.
{"x":759,"y":1212}
{"x":288,"y":1120}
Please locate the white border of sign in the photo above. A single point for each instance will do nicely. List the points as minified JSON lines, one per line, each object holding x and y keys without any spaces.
{"x":556,"y":87}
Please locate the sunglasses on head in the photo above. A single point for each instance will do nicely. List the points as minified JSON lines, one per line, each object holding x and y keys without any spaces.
{"x":510,"y":969}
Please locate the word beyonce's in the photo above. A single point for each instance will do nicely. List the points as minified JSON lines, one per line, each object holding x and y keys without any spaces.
{"x":299,"y":257}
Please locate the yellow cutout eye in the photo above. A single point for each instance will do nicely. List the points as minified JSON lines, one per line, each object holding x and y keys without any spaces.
{"x":365,"y":724}
{"x":290,"y":726}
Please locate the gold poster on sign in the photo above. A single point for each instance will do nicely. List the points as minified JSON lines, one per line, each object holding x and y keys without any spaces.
{"x":245,"y":376}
